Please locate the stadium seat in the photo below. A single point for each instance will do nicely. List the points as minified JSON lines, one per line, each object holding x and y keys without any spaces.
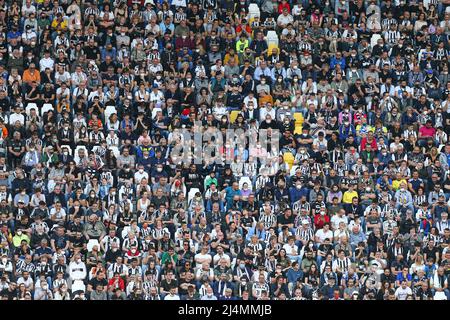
{"x":272,"y":41}
{"x":91,"y":243}
{"x":374,"y":39}
{"x":68,"y":148}
{"x":298,"y":129}
{"x":233,"y":115}
{"x":192,"y":193}
{"x":299,"y":119}
{"x":109,"y":111}
{"x":76,"y":158}
{"x":115,"y":151}
{"x":288,"y":157}
{"x":30,"y":106}
{"x":253,"y":11}
{"x":293,"y":169}
{"x":247,"y":180}
{"x":78,"y":285}
{"x":46,"y":107}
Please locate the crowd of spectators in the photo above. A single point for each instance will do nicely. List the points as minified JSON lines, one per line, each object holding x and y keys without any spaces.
{"x":93,"y":206}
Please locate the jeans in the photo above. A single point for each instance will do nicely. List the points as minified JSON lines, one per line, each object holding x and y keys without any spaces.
{"x":319,"y":260}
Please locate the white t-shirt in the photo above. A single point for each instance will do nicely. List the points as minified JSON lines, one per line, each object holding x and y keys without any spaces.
{"x":288,"y":249}
{"x":322,"y":235}
{"x":401,"y":293}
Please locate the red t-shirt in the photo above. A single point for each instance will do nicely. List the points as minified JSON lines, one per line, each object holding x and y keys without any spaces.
{"x":427,"y":132}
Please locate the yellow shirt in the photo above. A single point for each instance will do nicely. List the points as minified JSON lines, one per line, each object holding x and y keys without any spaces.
{"x":62,"y":24}
{"x":18,"y":239}
{"x":396,"y":183}
{"x":348,"y":196}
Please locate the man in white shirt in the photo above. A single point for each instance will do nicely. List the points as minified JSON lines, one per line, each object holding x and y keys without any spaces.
{"x":61,"y":76}
{"x":338,"y":218}
{"x":324,"y":233}
{"x":221,"y":256}
{"x":78,"y":76}
{"x":172,"y":295}
{"x":209,"y":295}
{"x":77,"y":269}
{"x":16,"y":116}
{"x":284,"y":19}
{"x":46,"y":62}
{"x":403,"y":291}
{"x":140,"y":174}
{"x":292,"y":250}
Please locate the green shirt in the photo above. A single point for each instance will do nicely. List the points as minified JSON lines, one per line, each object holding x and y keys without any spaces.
{"x":166,"y":257}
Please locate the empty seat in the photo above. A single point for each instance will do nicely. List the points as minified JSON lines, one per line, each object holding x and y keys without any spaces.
{"x":247,"y":180}
{"x":68,"y":148}
{"x":253,"y":11}
{"x":374,"y":39}
{"x":192,"y":193}
{"x":109,"y":111}
{"x":115,"y":150}
{"x":298,"y":129}
{"x":299,"y":119}
{"x":288,"y":158}
{"x":76,"y":157}
{"x":30,"y":106}
{"x":91,"y":243}
{"x":233,"y":115}
{"x":46,"y":107}
{"x":78,"y":285}
{"x":272,"y":41}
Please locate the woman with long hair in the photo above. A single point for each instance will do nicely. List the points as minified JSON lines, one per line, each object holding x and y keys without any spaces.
{"x":283,"y":259}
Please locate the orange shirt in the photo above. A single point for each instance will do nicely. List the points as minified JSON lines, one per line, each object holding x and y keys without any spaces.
{"x":4,"y":132}
{"x":29,"y":77}
{"x":263,"y":100}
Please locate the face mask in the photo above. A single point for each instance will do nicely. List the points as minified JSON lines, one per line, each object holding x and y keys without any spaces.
{"x":242,"y":265}
{"x":65,"y":153}
{"x":78,"y":260}
{"x":19,"y":233}
{"x":4,"y":260}
{"x":141,"y":170}
{"x":298,"y":187}
{"x":45,"y":287}
{"x":402,"y":189}
{"x":159,"y":169}
{"x":322,"y":213}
